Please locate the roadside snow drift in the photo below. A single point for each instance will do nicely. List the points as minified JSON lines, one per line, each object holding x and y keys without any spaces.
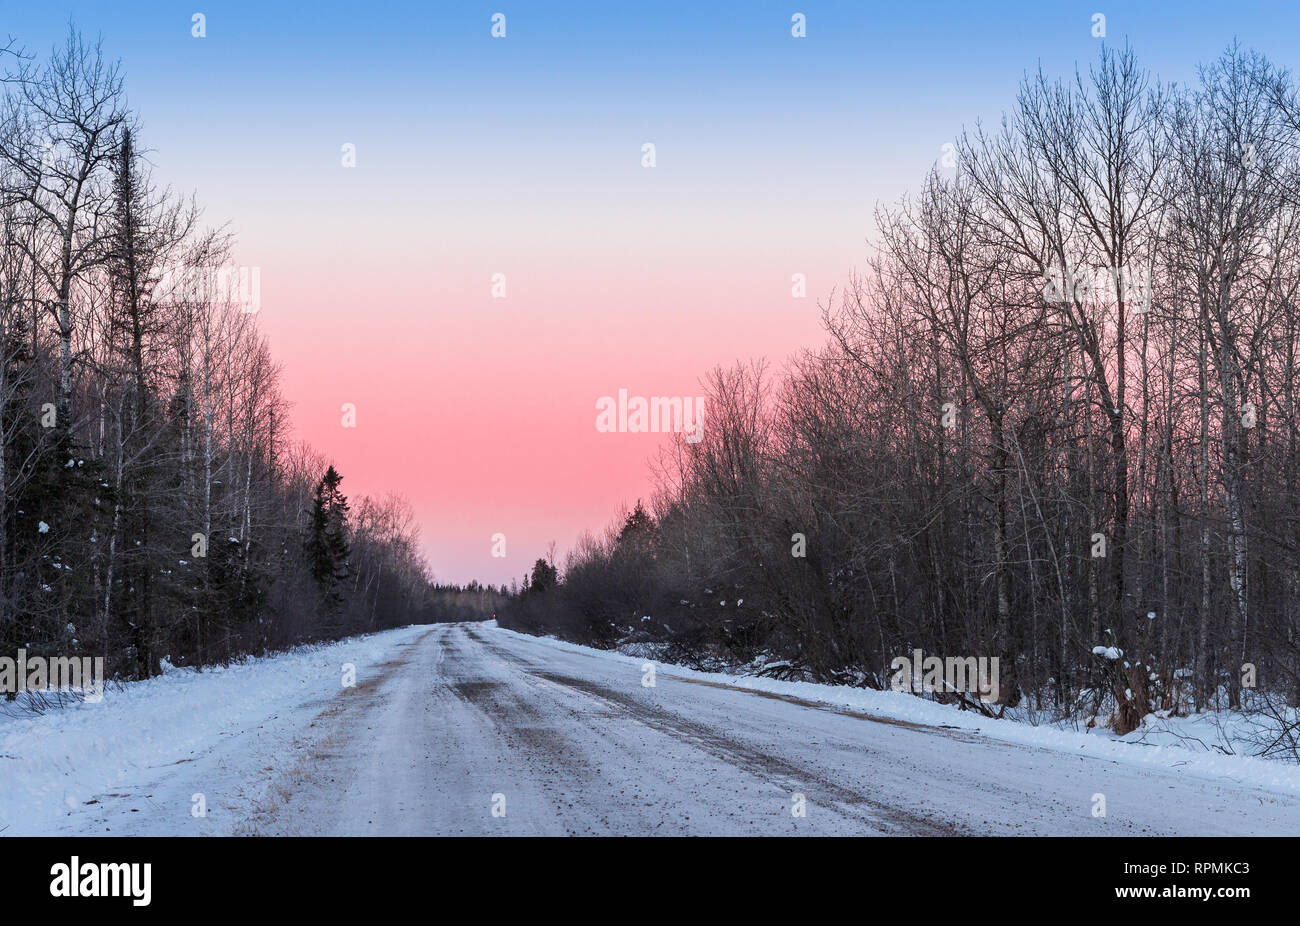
{"x":221,"y":726}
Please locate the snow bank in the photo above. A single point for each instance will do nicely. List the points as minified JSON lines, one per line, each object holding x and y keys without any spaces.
{"x":1167,"y":746}
{"x":54,"y":765}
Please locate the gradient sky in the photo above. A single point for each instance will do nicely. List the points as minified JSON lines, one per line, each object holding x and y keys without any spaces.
{"x":522,"y":156}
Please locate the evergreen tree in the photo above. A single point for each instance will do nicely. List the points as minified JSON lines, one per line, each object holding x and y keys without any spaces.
{"x":638,"y":532}
{"x":544,"y":576}
{"x":327,"y":542}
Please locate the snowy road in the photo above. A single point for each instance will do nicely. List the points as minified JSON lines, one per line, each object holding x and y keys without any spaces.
{"x":469,"y":729}
{"x":572,"y":743}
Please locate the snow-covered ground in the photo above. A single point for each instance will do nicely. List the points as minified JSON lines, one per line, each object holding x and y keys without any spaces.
{"x":472,"y":729}
{"x":1210,"y":744}
{"x":133,"y":762}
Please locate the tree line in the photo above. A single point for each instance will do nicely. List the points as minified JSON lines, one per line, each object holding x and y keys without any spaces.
{"x":153,"y":505}
{"x":1055,"y":421}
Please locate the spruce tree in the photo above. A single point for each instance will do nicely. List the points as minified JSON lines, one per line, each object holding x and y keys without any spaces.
{"x":327,"y":542}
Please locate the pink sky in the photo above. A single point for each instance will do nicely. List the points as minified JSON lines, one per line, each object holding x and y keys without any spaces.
{"x":522,"y":156}
{"x":482,"y":410}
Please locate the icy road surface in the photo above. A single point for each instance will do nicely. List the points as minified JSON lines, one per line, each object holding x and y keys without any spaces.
{"x":464,"y":729}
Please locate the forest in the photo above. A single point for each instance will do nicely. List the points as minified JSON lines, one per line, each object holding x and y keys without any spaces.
{"x":1054,"y":421}
{"x":154,"y":506}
